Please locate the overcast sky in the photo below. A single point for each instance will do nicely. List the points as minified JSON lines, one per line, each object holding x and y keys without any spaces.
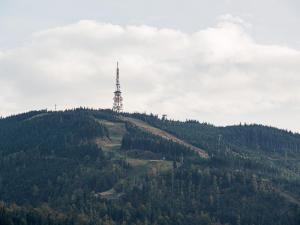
{"x":219,"y":61}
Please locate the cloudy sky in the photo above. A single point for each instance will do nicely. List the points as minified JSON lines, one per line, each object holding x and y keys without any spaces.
{"x":219,"y":61}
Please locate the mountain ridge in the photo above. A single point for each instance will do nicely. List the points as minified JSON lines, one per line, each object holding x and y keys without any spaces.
{"x":95,"y":167}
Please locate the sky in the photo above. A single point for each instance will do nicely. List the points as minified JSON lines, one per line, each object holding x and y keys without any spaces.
{"x":218,"y":61}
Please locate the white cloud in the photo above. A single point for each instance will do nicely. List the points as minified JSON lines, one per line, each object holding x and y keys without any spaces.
{"x":219,"y":74}
{"x":228,"y":18}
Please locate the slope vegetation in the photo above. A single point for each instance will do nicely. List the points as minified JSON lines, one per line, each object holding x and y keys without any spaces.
{"x":96,"y":167}
{"x":161,"y":133}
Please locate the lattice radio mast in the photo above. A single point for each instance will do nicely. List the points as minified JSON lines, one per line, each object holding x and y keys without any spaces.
{"x":118,"y":100}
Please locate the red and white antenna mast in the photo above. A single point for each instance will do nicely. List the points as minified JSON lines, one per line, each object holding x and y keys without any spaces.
{"x":118,"y":100}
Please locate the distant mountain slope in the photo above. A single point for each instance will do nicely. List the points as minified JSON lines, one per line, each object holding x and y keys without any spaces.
{"x":153,"y":130}
{"x":97,"y":167}
{"x":258,"y":137}
{"x":244,"y":137}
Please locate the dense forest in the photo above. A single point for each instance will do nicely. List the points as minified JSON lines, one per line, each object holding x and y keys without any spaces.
{"x":96,"y":167}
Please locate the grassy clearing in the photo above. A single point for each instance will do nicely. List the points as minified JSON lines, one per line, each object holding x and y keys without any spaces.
{"x":116,"y":133}
{"x":142,"y":167}
{"x":139,"y":167}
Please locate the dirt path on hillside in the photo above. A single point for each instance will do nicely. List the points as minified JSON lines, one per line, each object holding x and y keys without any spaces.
{"x":288,"y":196}
{"x":156,"y":131}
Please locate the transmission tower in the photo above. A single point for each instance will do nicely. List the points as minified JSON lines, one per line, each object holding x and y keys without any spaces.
{"x":118,"y":100}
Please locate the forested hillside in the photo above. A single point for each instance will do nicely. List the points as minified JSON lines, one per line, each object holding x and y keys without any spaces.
{"x":97,"y":167}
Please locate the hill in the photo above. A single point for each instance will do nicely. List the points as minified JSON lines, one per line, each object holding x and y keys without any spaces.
{"x":88,"y":166}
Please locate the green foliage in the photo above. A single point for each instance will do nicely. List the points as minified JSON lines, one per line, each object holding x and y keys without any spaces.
{"x":52,"y":167}
{"x":51,"y":156}
{"x":258,"y":137}
{"x":244,"y":137}
{"x":138,"y":139}
{"x":15,"y":215}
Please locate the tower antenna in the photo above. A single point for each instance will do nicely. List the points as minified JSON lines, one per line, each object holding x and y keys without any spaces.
{"x":118,"y":100}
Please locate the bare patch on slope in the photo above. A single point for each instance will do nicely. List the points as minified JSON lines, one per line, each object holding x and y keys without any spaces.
{"x":116,"y":132}
{"x":158,"y":132}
